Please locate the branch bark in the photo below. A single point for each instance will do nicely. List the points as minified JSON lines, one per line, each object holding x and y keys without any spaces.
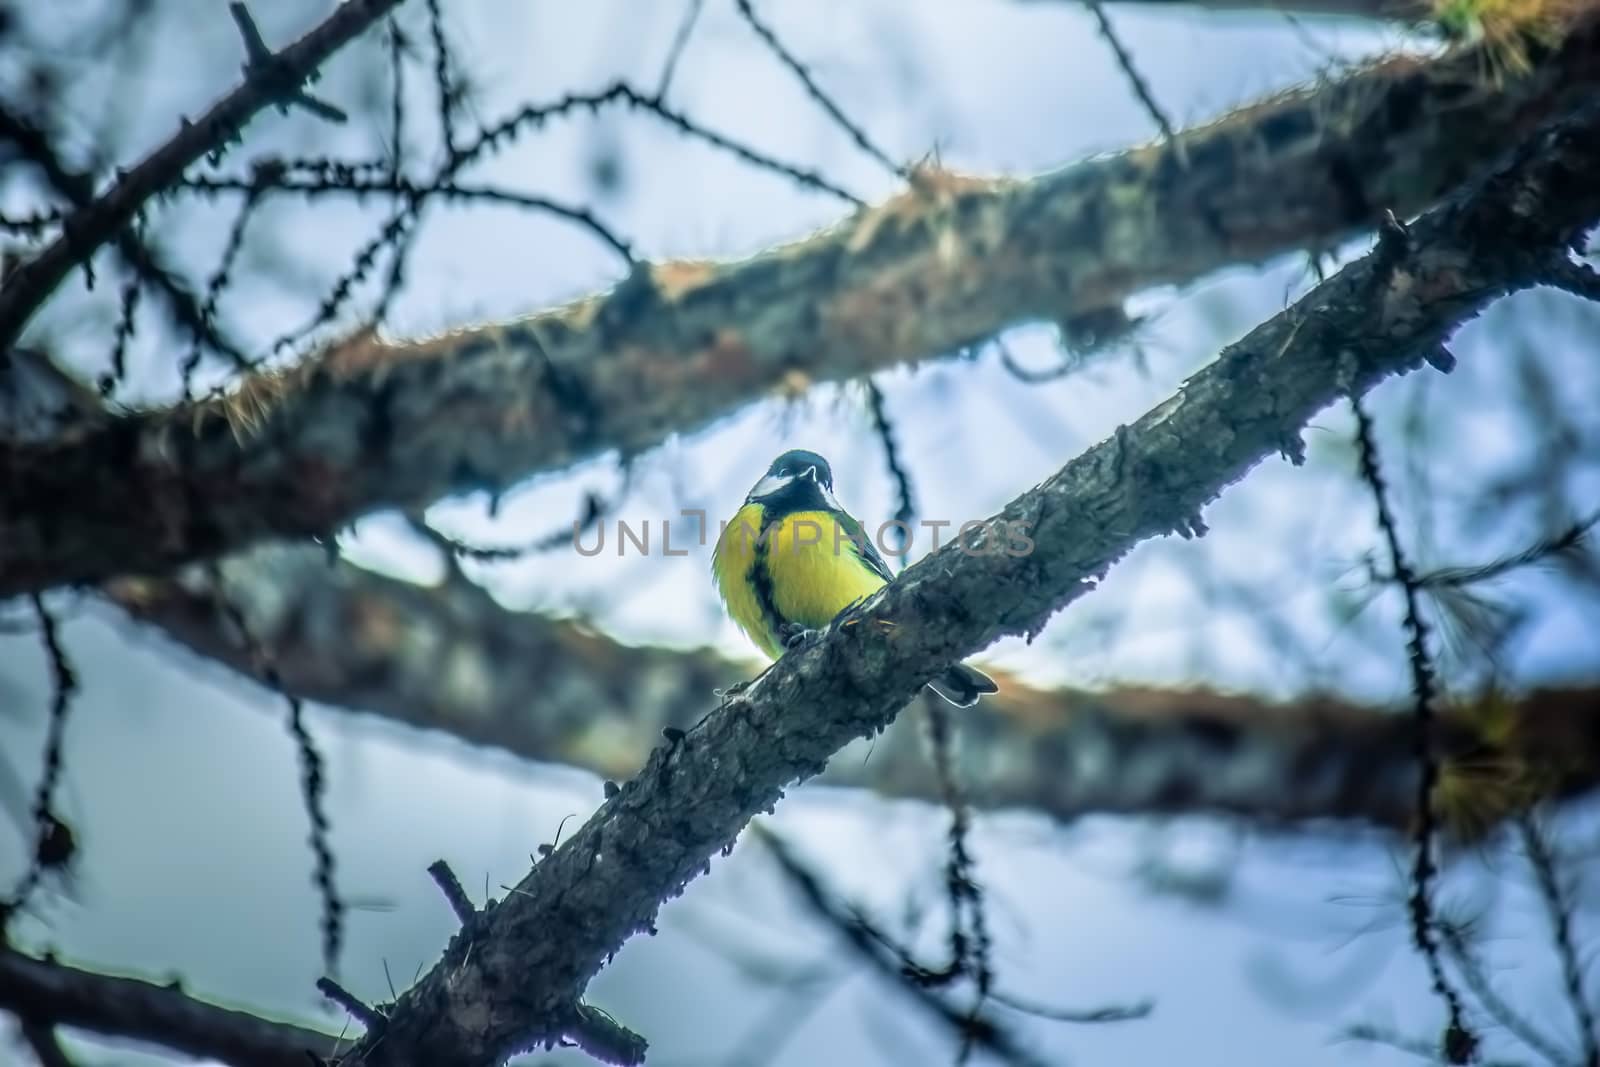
{"x":270,"y":78}
{"x":367,"y":424}
{"x":515,"y":978}
{"x":451,"y":658}
{"x":44,"y":991}
{"x":1388,"y":10}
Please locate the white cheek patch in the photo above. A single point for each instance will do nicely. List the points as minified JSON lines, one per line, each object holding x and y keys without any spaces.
{"x":771,"y":484}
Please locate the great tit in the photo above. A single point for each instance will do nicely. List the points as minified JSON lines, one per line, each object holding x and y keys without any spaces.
{"x":792,"y":558}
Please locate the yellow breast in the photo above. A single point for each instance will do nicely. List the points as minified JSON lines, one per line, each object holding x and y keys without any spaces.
{"x":804,"y":570}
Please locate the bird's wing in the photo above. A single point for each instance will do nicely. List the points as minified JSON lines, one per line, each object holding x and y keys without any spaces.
{"x":864,"y":546}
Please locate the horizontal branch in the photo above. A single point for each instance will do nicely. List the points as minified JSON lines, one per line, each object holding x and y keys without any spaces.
{"x":356,"y":639}
{"x":1397,"y":10}
{"x":269,"y":78}
{"x":512,"y":981}
{"x":46,"y":992}
{"x":367,"y":424}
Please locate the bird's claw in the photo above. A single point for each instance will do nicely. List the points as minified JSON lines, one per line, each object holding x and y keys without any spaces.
{"x":794,"y":636}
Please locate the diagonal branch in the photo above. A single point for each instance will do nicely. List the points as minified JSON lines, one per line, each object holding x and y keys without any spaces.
{"x":368,"y":424}
{"x":349,"y":637}
{"x":270,"y":78}
{"x":515,"y":984}
{"x":42,"y":991}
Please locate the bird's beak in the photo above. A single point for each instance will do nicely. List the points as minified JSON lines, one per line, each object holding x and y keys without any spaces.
{"x":809,"y":472}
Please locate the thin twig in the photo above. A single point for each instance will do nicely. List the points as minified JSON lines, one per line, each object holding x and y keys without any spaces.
{"x":313,"y":787}
{"x":680,"y":41}
{"x":906,"y":507}
{"x":1559,"y":910}
{"x":453,"y":892}
{"x":48,"y":829}
{"x":870,"y":943}
{"x":219,"y":281}
{"x":443,"y":80}
{"x":814,"y":91}
{"x":1141,"y":88}
{"x":397,"y":99}
{"x":416,"y":193}
{"x":1494,"y":1005}
{"x":1545,"y":548}
{"x":272,"y":81}
{"x":357,"y":1008}
{"x":969,"y":925}
{"x":140,"y":258}
{"x":1460,"y":1043}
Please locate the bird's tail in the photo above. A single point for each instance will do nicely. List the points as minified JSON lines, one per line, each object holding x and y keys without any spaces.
{"x":962,"y":685}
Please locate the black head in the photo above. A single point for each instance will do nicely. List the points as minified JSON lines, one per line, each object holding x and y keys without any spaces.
{"x":797,"y":480}
{"x":799,"y":463}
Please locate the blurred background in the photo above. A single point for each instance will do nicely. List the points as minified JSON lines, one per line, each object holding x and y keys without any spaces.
{"x":1254,"y":940}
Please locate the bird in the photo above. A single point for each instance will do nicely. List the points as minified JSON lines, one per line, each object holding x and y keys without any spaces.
{"x":792,"y":558}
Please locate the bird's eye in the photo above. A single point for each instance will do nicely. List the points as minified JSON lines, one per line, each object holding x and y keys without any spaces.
{"x":783,"y":473}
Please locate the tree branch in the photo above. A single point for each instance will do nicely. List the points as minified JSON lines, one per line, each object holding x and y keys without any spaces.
{"x":270,"y":78}
{"x":1401,"y":10}
{"x":368,"y":424}
{"x":43,"y":991}
{"x":515,"y":983}
{"x":345,"y":636}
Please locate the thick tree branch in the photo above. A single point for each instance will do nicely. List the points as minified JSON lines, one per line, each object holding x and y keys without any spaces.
{"x":269,"y":78}
{"x":368,"y":424}
{"x":451,"y":658}
{"x":45,"y":992}
{"x":515,"y":979}
{"x":1402,"y":10}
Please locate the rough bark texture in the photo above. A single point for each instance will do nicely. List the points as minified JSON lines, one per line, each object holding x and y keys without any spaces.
{"x":45,"y":991}
{"x":514,"y":976}
{"x":451,"y":658}
{"x":1402,"y":10}
{"x":367,"y":424}
{"x":272,"y":79}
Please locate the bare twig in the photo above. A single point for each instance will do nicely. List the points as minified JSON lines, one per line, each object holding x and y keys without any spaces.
{"x":313,"y":787}
{"x":1460,"y":1043}
{"x":969,"y":924}
{"x":142,"y":261}
{"x":1110,"y":1013}
{"x":1492,"y":1003}
{"x":1141,"y":88}
{"x":1558,"y":908}
{"x":680,"y":42}
{"x":219,"y":281}
{"x":52,"y":841}
{"x":971,"y":1027}
{"x":413,"y":192}
{"x":814,"y":91}
{"x":398,"y":46}
{"x":444,"y":82}
{"x":1546,"y":548}
{"x":450,"y":886}
{"x":270,"y":78}
{"x":354,"y":1006}
{"x":906,"y":506}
